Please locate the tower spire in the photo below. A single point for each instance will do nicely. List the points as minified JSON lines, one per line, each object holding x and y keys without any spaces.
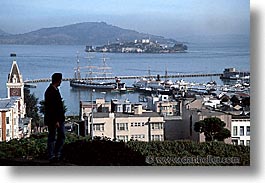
{"x":15,"y":84}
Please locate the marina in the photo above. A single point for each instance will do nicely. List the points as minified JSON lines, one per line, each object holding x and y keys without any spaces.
{"x":152,"y":84}
{"x":234,"y":82}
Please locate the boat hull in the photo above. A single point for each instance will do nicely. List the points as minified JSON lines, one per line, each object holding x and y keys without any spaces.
{"x":95,"y":85}
{"x":92,"y":85}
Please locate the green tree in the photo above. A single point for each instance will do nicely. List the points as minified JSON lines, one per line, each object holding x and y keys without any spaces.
{"x":32,"y":108}
{"x":213,"y":129}
{"x":41,"y":107}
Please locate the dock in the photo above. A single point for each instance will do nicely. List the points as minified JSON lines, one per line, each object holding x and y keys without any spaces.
{"x":129,"y":77}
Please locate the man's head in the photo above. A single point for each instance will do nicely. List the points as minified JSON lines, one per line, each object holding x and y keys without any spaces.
{"x":57,"y":79}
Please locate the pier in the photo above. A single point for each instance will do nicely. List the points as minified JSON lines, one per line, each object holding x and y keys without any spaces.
{"x":128,"y":77}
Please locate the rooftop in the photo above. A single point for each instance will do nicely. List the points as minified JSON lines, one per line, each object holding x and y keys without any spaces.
{"x":7,"y":103}
{"x":125,"y":115}
{"x":14,"y":72}
{"x":207,"y":112}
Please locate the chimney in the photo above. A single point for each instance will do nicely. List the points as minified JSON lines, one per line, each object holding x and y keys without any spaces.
{"x":138,"y":109}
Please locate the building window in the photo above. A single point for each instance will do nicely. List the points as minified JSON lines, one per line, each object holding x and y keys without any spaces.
{"x":98,"y":127}
{"x":7,"y":133}
{"x":119,"y":108}
{"x":241,"y":142}
{"x":234,"y":130}
{"x":7,"y":120}
{"x":123,"y":138}
{"x":137,"y":124}
{"x":122,"y":126}
{"x":235,"y":142}
{"x":136,"y":137}
{"x":157,"y":126}
{"x":241,"y":130}
{"x":157,"y":138}
{"x":248,"y":142}
{"x":248,"y":131}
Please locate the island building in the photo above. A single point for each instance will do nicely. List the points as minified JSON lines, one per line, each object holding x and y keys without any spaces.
{"x":13,"y":124}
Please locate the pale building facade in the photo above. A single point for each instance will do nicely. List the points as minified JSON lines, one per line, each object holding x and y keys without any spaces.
{"x":9,"y":118}
{"x":13,"y":109}
{"x":163,"y":105}
{"x":240,"y":130}
{"x":124,"y":122}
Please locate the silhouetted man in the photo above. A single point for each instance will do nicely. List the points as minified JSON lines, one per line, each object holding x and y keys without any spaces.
{"x":54,"y":118}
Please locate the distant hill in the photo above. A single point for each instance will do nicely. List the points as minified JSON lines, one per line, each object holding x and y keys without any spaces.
{"x":88,"y":33}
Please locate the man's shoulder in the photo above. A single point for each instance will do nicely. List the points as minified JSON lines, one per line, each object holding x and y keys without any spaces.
{"x":50,"y":89}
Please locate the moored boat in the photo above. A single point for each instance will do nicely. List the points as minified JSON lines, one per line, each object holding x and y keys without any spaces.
{"x":92,"y":84}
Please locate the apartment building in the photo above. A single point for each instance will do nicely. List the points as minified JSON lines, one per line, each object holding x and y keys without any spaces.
{"x":99,"y":105}
{"x":164,"y":105}
{"x":125,"y":121}
{"x":240,"y":130}
{"x":194,"y":111}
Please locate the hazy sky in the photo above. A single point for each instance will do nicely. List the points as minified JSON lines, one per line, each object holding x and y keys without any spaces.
{"x":169,"y":18}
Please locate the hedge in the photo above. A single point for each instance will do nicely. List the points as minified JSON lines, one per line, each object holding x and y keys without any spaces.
{"x":83,"y":151}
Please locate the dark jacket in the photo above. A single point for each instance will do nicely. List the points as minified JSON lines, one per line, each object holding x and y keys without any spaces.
{"x":53,"y":106}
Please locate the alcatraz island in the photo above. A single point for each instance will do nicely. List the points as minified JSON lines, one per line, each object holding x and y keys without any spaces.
{"x":138,"y":46}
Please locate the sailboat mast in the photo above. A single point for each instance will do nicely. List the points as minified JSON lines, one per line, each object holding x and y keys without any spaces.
{"x":149,"y":71}
{"x":104,"y":67}
{"x":90,"y":72}
{"x":166,"y":74}
{"x":77,"y":72}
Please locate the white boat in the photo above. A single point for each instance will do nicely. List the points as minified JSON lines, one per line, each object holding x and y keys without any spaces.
{"x":145,"y":84}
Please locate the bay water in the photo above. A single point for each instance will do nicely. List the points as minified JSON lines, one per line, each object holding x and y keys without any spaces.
{"x":206,"y":54}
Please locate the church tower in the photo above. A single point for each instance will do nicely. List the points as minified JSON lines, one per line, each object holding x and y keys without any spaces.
{"x":15,"y":84}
